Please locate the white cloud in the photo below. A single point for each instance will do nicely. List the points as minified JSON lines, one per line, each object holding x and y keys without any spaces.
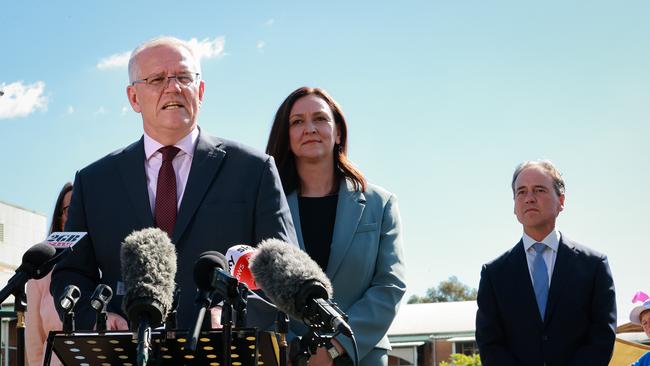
{"x":100,"y":111}
{"x":70,"y":109}
{"x":269,"y":22}
{"x":124,"y":110}
{"x":20,"y":100}
{"x":260,"y":46}
{"x":118,"y":60}
{"x":206,"y":48}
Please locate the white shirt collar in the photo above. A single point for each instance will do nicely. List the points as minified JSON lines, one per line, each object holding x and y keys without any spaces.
{"x":186,"y":144}
{"x":552,"y":240}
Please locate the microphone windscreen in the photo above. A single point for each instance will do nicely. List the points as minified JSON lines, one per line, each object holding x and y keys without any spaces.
{"x":34,"y":258}
{"x":205,"y":266}
{"x":282,"y":271}
{"x":148,"y":261}
{"x":238,"y":258}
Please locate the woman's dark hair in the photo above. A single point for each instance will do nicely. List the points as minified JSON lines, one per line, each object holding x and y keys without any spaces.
{"x":279,"y":147}
{"x":58,"y":209}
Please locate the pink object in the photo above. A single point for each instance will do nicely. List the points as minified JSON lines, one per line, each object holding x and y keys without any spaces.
{"x":40,"y":319}
{"x":640,"y":296}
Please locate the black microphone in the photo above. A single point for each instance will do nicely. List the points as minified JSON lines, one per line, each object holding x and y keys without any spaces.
{"x":148,"y":270}
{"x":98,"y":301}
{"x":67,"y":302}
{"x":297,"y":285}
{"x":212,"y":279}
{"x":34,"y":265}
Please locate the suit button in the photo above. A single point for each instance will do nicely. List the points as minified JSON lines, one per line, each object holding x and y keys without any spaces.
{"x":545,"y":338}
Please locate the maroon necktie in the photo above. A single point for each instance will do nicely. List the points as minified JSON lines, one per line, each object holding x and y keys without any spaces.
{"x":166,"y":200}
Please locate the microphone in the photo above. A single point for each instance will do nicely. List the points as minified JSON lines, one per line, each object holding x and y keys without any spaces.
{"x":67,"y":302}
{"x":35,"y":265}
{"x":148,"y":270}
{"x":70,"y":297}
{"x":98,"y":301}
{"x":297,"y":285}
{"x":239,"y":257}
{"x":211,"y":279}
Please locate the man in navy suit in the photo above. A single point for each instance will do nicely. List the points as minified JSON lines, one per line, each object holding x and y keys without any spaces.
{"x":207,"y":193}
{"x":548,"y":300}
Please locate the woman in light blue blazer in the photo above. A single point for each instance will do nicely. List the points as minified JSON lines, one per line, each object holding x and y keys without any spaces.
{"x":351,"y":228}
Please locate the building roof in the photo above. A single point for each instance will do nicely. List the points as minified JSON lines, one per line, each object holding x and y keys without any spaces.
{"x":442,"y":319}
{"x":21,"y":208}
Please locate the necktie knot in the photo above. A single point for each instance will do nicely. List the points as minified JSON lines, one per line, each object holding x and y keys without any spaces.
{"x":539,"y":247}
{"x":169,"y":152}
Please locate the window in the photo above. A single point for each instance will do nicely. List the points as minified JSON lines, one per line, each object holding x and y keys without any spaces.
{"x":467,"y":348}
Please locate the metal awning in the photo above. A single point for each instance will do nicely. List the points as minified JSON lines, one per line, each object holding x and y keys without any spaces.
{"x":406,"y":344}
{"x":462,"y":339}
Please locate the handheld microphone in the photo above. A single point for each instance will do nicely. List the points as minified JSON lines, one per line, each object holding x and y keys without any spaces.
{"x":148,"y":270}
{"x":98,"y":301}
{"x":34,"y":265}
{"x":239,"y":257}
{"x":297,"y":285}
{"x":211,"y":279}
{"x":67,"y":302}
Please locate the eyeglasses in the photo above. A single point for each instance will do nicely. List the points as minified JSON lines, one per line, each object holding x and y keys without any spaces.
{"x":162,"y":80}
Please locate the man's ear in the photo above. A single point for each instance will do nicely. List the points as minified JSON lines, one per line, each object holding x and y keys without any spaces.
{"x":201,"y":90}
{"x":133,"y":98}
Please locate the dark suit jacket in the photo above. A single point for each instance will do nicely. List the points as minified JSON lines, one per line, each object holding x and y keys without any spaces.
{"x":580,"y":322}
{"x":233,"y":196}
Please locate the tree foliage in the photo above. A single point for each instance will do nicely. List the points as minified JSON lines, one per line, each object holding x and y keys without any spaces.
{"x":450,"y":290}
{"x":459,"y":359}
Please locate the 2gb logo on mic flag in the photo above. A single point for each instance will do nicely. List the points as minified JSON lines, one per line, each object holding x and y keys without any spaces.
{"x":238,"y":258}
{"x":61,"y":240}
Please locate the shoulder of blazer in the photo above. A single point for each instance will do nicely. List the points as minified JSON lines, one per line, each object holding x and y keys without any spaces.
{"x":508,"y":257}
{"x":133,"y":150}
{"x":232,"y":148}
{"x":373,"y":194}
{"x":579,"y":249}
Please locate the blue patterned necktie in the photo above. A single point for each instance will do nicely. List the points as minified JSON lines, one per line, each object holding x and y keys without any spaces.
{"x":540,"y":278}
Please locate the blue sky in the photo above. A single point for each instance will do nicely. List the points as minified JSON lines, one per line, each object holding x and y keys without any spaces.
{"x":443,"y":99}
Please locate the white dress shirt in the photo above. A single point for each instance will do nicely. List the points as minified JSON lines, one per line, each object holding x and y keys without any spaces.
{"x":552,"y":241}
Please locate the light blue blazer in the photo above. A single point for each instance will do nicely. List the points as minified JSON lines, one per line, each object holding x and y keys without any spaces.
{"x":366,"y":265}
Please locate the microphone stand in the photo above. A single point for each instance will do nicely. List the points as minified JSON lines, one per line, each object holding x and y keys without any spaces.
{"x":68,"y":321}
{"x":240,"y":305}
{"x":226,"y":322}
{"x":282,"y":326}
{"x":20,"y":306}
{"x":144,"y":340}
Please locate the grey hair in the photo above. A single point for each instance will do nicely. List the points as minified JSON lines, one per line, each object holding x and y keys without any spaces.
{"x":156,"y":42}
{"x":548,"y":167}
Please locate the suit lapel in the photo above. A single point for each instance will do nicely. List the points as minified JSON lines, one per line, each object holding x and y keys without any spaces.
{"x":559,"y":277}
{"x":134,"y":180}
{"x":348,"y":215}
{"x":206,"y":161}
{"x":292,"y":200}
{"x":524,"y":283}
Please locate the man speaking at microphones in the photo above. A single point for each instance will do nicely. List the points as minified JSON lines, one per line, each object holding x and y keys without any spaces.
{"x":207,"y":193}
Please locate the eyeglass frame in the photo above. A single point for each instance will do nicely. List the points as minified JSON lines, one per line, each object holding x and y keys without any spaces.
{"x":165,"y":83}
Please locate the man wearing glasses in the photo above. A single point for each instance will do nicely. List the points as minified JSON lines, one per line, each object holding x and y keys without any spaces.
{"x":205,"y":192}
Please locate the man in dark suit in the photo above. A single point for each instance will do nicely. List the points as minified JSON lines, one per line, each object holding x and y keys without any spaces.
{"x":206,"y":193}
{"x":548,"y":300}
